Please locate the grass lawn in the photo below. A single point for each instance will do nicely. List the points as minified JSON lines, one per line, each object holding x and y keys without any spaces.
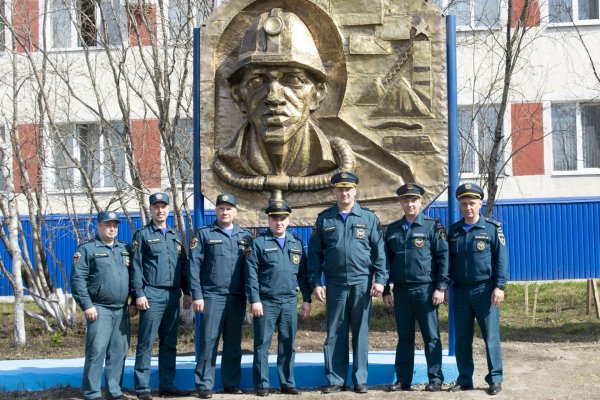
{"x":561,"y":317}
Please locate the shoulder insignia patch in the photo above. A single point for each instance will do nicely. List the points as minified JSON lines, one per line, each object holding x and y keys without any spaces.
{"x":134,"y":246}
{"x":501,"y":237}
{"x":194,"y":243}
{"x":76,"y":257}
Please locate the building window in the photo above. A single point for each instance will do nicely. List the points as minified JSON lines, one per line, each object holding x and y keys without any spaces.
{"x":572,"y":10}
{"x":472,"y":13}
{"x":3,"y":142}
{"x":3,"y":25}
{"x":98,"y":149}
{"x":576,"y":137}
{"x":476,"y":137}
{"x":180,"y":25}
{"x":87,"y":23}
{"x":184,"y":148}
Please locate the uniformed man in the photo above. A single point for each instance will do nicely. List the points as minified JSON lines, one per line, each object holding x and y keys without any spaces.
{"x":217,"y":271}
{"x":158,"y":275}
{"x":100,"y":286}
{"x":478,"y":270}
{"x":417,"y":254}
{"x":347,"y":246}
{"x":276,"y":268}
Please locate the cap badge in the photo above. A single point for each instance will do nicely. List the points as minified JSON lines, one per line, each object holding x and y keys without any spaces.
{"x":225,"y":197}
{"x":344,"y":175}
{"x":410,"y":186}
{"x":112,"y":215}
{"x":468,"y":186}
{"x":159,"y":196}
{"x":279,"y":204}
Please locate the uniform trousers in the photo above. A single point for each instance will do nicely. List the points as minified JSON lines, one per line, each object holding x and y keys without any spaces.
{"x":107,"y":338}
{"x":223,"y":315}
{"x":413,"y":302}
{"x":475,"y":302}
{"x":283,"y":315}
{"x":348,"y":307}
{"x":160,"y":319}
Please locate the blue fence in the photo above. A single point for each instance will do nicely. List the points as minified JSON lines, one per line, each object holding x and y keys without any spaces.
{"x":547,"y":239}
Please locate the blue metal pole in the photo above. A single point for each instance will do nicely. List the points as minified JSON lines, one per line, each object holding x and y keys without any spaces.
{"x":452,"y":151}
{"x":198,"y":197}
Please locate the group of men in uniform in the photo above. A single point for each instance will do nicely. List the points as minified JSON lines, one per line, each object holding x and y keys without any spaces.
{"x":349,"y":261}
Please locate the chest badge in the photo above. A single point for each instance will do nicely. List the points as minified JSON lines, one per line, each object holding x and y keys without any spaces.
{"x":480,"y":245}
{"x":178,"y":249}
{"x":360,"y":233}
{"x":296,"y":259}
{"x":126,"y":261}
{"x":194,"y":243}
{"x":419,"y":242}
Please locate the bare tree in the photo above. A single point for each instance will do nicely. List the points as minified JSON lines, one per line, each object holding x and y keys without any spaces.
{"x":503,"y":47}
{"x":91,"y":114}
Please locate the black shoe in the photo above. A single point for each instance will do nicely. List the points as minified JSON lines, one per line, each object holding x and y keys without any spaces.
{"x":144,"y":396}
{"x":494,"y":389}
{"x":399,"y":386}
{"x":290,"y":390}
{"x":122,"y":396}
{"x":205,"y":394}
{"x":331,"y":389}
{"x":360,"y":388}
{"x":173,"y":392}
{"x":433,"y":387}
{"x":233,"y":390}
{"x":459,"y":388}
{"x":262,"y":392}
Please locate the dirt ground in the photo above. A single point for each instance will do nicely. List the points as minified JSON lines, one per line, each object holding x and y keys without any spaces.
{"x":532,"y":371}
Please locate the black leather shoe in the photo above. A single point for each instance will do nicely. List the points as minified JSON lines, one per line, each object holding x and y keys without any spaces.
{"x":205,"y":394}
{"x":331,"y":389}
{"x":433,"y":387}
{"x":262,"y":392}
{"x":399,"y":386}
{"x":494,"y":389}
{"x":360,"y":388}
{"x":233,"y":390}
{"x":144,"y":396}
{"x":290,"y":390}
{"x":122,"y":396}
{"x":459,"y":388}
{"x":173,"y":392}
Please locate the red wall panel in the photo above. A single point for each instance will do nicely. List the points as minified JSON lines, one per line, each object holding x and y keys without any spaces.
{"x":527,"y":139}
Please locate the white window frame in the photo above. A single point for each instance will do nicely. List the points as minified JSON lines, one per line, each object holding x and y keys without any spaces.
{"x":580,"y":168}
{"x":5,"y":141}
{"x":73,"y":131}
{"x":507,"y":168}
{"x":73,"y":41}
{"x":472,"y":25}
{"x":188,"y":124}
{"x":545,"y":10}
{"x":6,"y":11}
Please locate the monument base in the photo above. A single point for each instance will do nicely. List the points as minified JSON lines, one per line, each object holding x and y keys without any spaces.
{"x":45,"y":374}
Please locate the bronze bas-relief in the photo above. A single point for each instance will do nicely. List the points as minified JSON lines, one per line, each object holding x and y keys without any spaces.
{"x":294,"y":91}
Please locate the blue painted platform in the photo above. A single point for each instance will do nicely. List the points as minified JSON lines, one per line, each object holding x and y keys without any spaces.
{"x":44,"y":374}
